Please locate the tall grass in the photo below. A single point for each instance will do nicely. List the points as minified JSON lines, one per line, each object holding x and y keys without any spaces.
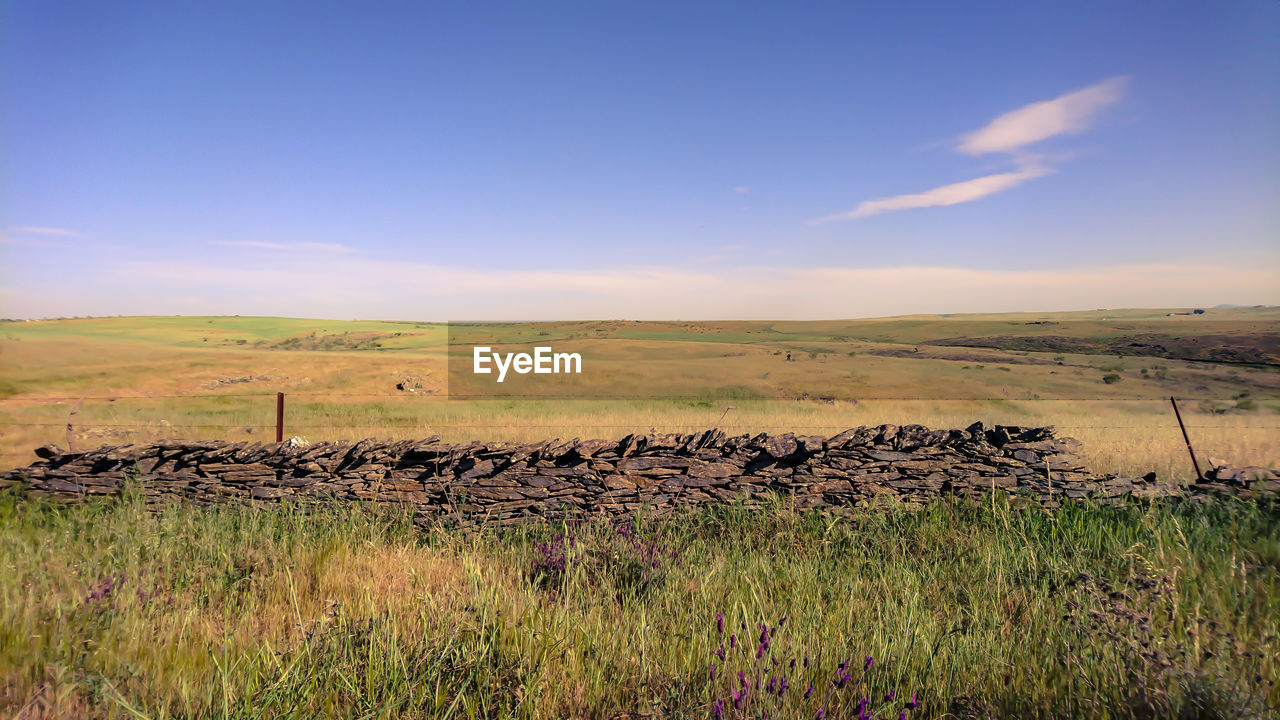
{"x":1131,"y":438}
{"x":978,"y":609}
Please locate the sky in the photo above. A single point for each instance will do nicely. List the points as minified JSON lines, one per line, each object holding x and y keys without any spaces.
{"x":637,"y":160}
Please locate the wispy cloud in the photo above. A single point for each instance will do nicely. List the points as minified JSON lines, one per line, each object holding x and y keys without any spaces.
{"x":43,"y":231}
{"x":742,"y":189}
{"x":1070,"y":113}
{"x":1009,"y":133}
{"x":953,"y":194}
{"x":302,"y":247}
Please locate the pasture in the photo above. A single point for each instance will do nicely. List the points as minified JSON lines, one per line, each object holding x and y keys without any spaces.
{"x":133,"y":379}
{"x":961,"y":609}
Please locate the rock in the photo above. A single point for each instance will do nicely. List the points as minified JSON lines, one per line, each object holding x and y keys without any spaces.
{"x":810,"y":444}
{"x":713,"y":470}
{"x":46,"y":452}
{"x":267,"y":493}
{"x":880,"y":465}
{"x":484,"y":468}
{"x":648,"y":463}
{"x":1026,"y":456}
{"x":57,"y":485}
{"x":781,"y":446}
{"x":1241,"y":475}
{"x":888,"y":455}
{"x":618,"y":482}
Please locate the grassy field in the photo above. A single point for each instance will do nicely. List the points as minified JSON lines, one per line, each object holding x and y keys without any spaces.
{"x":961,"y":610}
{"x":133,"y":379}
{"x":958,"y":610}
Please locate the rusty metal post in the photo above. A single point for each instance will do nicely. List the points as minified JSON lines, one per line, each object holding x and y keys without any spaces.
{"x":279,"y":417}
{"x":1187,"y":440}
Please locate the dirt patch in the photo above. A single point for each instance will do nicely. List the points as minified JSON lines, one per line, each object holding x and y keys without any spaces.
{"x":1239,"y":349}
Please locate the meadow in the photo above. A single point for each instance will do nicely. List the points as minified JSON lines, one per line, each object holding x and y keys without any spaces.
{"x":137,"y":379}
{"x":962,"y":609}
{"x":959,"y":610}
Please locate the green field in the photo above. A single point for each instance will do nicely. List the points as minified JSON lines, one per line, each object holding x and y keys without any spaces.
{"x":975,"y":610}
{"x":143,"y":378}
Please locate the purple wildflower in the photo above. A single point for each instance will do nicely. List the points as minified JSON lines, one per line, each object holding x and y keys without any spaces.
{"x":892,"y":694}
{"x":914,"y":703}
{"x":733,"y":641}
{"x":720,"y":623}
{"x":841,"y":680}
{"x":869,"y":662}
{"x":713,"y":671}
{"x":808,"y":691}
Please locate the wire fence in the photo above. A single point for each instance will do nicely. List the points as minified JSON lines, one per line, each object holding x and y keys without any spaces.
{"x":310,"y":399}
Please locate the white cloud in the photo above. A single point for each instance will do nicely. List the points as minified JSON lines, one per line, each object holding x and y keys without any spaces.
{"x":1009,"y":133}
{"x":302,"y":247}
{"x":742,"y":189}
{"x":1070,"y":113}
{"x":43,"y":231}
{"x":953,"y":194}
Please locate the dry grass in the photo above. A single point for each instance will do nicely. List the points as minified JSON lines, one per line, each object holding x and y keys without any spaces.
{"x":1127,"y":426}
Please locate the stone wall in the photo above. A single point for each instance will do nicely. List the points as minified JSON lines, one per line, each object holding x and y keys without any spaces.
{"x":506,"y":482}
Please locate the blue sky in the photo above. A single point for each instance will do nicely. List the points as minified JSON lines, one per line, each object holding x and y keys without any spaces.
{"x":637,"y":159}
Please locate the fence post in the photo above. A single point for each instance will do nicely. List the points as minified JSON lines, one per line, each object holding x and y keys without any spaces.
{"x":1187,"y":440}
{"x":279,"y":417}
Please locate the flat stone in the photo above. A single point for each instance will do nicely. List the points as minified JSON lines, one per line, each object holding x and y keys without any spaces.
{"x":713,"y":470}
{"x":781,"y":446}
{"x":650,"y":463}
{"x":888,"y":455}
{"x":617,"y":482}
{"x":267,"y":493}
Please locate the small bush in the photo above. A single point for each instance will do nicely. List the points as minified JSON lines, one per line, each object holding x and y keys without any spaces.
{"x":1111,"y":378}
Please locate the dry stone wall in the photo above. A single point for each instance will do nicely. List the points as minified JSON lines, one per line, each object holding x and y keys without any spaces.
{"x":507,"y":482}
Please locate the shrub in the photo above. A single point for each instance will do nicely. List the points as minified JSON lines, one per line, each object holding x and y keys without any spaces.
{"x":1110,"y":378}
